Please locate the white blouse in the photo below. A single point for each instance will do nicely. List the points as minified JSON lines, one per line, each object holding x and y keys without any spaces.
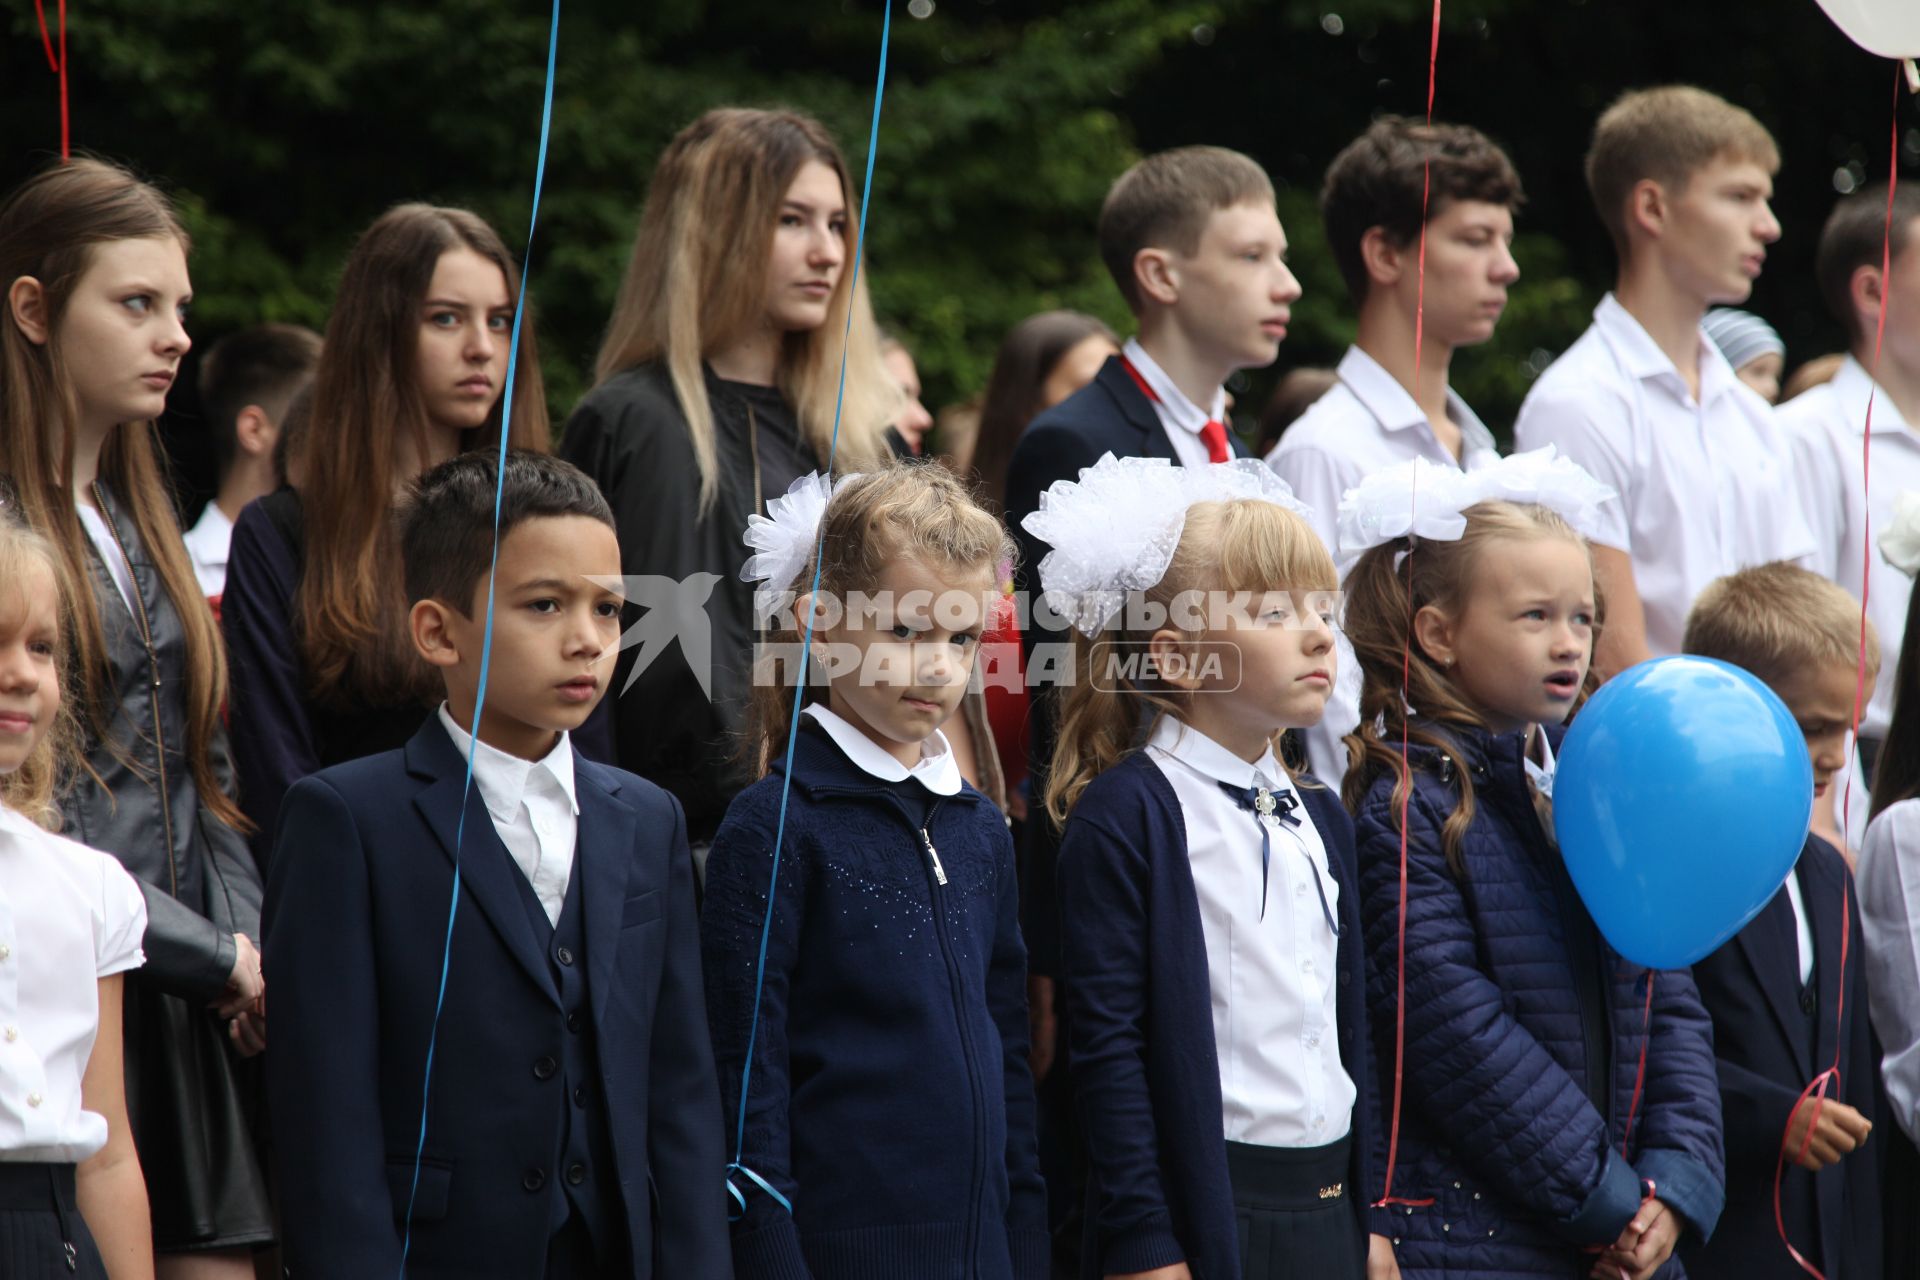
{"x":69,"y":915}
{"x":1889,"y":884}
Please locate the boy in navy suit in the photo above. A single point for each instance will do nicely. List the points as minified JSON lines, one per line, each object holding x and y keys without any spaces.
{"x":573,"y":1120}
{"x":1193,"y":241}
{"x":1775,"y":991}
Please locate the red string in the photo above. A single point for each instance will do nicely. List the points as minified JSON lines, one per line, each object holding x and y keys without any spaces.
{"x":1640,"y":1076}
{"x":1817,"y":1089}
{"x":1406,"y":672}
{"x":57,"y":65}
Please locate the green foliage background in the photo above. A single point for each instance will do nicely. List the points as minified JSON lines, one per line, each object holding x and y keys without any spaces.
{"x":284,"y":127}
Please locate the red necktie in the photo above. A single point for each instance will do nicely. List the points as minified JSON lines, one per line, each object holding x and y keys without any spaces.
{"x":1215,"y":435}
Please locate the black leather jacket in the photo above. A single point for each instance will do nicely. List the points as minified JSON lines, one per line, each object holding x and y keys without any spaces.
{"x":199,"y":879}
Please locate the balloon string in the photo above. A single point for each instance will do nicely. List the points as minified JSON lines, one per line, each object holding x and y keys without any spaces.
{"x":1406,"y":674}
{"x":58,"y":65}
{"x":1640,"y":1076}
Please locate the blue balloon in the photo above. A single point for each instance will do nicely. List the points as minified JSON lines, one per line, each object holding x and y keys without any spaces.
{"x":1681,"y":803}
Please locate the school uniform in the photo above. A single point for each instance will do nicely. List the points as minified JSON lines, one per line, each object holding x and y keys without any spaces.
{"x":889,"y":1117}
{"x":1889,"y":880}
{"x":207,"y":545}
{"x":1366,"y":423}
{"x":1705,"y":483}
{"x":1780,"y":1017}
{"x":1131,"y":409}
{"x":572,"y":1128}
{"x":1218,"y":1036}
{"x":69,"y":915}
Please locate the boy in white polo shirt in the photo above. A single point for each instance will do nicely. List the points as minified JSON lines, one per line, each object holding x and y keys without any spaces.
{"x":1382,"y":411}
{"x":1825,"y":424}
{"x":1644,"y":400}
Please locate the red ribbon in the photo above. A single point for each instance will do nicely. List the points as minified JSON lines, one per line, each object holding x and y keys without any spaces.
{"x":58,"y":65}
{"x":1406,"y":671}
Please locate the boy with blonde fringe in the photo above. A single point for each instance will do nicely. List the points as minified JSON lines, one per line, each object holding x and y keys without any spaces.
{"x":1644,"y":401}
{"x":1775,"y":994}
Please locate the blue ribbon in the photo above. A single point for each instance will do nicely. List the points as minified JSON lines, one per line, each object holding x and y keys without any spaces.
{"x":800,"y":685}
{"x":486,"y":643}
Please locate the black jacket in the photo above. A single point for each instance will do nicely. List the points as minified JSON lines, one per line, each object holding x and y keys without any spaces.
{"x":143,"y":807}
{"x":631,"y":437}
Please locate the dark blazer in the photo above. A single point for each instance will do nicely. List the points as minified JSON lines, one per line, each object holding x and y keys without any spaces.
{"x":1141,"y":1026}
{"x":1111,"y":414}
{"x":357,"y":908}
{"x":1768,"y":1048}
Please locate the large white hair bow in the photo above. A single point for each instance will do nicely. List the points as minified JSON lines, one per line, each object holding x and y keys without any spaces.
{"x":1423,"y":499}
{"x":1115,"y":529}
{"x":1900,"y":540}
{"x":784,"y":537}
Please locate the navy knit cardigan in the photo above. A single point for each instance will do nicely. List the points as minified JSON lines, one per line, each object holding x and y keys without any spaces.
{"x":1140,"y":1020}
{"x":890,"y":1100}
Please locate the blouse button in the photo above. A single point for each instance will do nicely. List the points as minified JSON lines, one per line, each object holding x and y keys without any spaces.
{"x":33,"y":1099}
{"x":13,"y":1033}
{"x":5,"y":951}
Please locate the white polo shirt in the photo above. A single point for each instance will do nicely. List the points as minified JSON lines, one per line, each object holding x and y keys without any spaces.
{"x":1825,"y":426}
{"x":1180,"y":418}
{"x":1272,"y":970}
{"x":1365,"y":423}
{"x":69,"y":915}
{"x":1705,"y":486}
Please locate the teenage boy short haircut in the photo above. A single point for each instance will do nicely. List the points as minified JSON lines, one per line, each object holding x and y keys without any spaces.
{"x":1778,"y":620}
{"x":1667,"y":134}
{"x":263,"y":365}
{"x":1378,"y":179}
{"x":446,"y":528}
{"x":1853,"y":238}
{"x":1164,"y":203}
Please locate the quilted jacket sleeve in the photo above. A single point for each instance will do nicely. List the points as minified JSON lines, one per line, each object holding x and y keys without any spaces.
{"x":1472,"y":1072}
{"x":1679,"y":1145}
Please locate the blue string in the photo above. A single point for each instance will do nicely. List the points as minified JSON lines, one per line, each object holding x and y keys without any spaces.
{"x":800,"y":685}
{"x":486,"y":643}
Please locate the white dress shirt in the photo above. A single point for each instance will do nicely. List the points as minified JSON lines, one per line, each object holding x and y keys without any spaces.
{"x":207,"y":545}
{"x":1705,"y":485}
{"x":69,"y":915}
{"x":1825,"y":426}
{"x":1180,"y":418}
{"x":534,"y":810}
{"x":1273,"y":979}
{"x":936,"y":770}
{"x":1365,"y":423}
{"x":1888,"y":882}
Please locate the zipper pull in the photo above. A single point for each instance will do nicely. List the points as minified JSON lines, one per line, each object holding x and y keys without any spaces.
{"x":939,"y":872}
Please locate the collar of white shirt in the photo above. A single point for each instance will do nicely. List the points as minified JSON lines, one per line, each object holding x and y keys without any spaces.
{"x":503,"y":779}
{"x":1381,"y":394}
{"x":1204,"y":756}
{"x":937,"y":770}
{"x":1541,"y":774}
{"x":1852,"y":384}
{"x":1181,"y":411}
{"x":1643,"y":359}
{"x":211,"y":537}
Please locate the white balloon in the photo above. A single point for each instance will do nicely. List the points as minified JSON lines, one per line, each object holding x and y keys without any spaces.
{"x":1890,"y":28}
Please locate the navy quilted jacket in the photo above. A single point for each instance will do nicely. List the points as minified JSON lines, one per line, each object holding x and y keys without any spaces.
{"x":1499,"y":1123}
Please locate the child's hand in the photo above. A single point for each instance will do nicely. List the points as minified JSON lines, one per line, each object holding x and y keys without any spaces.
{"x":1043,"y":1026}
{"x":1178,"y":1271}
{"x":244,"y":985}
{"x":1840,"y":1131}
{"x":1381,"y":1264}
{"x":1644,"y":1247}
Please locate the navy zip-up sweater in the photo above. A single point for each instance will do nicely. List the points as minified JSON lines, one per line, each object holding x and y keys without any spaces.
{"x":1140,"y":1013}
{"x":890,"y":1099}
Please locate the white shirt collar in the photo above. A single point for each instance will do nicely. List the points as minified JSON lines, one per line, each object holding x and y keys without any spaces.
{"x":1203,"y":755}
{"x":937,"y":769}
{"x":1643,"y":359}
{"x":1541,"y":774}
{"x":1184,"y":412}
{"x":1852,"y":384}
{"x":211,"y":535}
{"x":503,"y":779}
{"x":1395,"y":409}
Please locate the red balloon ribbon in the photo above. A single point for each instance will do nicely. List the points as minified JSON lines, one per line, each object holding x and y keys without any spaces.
{"x":1406,"y":670}
{"x":57,"y":63}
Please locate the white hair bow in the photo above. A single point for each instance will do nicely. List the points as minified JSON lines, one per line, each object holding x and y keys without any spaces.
{"x":1423,"y":499}
{"x":784,"y":537}
{"x":1900,"y":540}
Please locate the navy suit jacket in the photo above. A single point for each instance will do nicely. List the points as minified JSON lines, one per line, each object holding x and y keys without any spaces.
{"x":1767,"y":1053}
{"x":1111,"y":414}
{"x":356,"y":919}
